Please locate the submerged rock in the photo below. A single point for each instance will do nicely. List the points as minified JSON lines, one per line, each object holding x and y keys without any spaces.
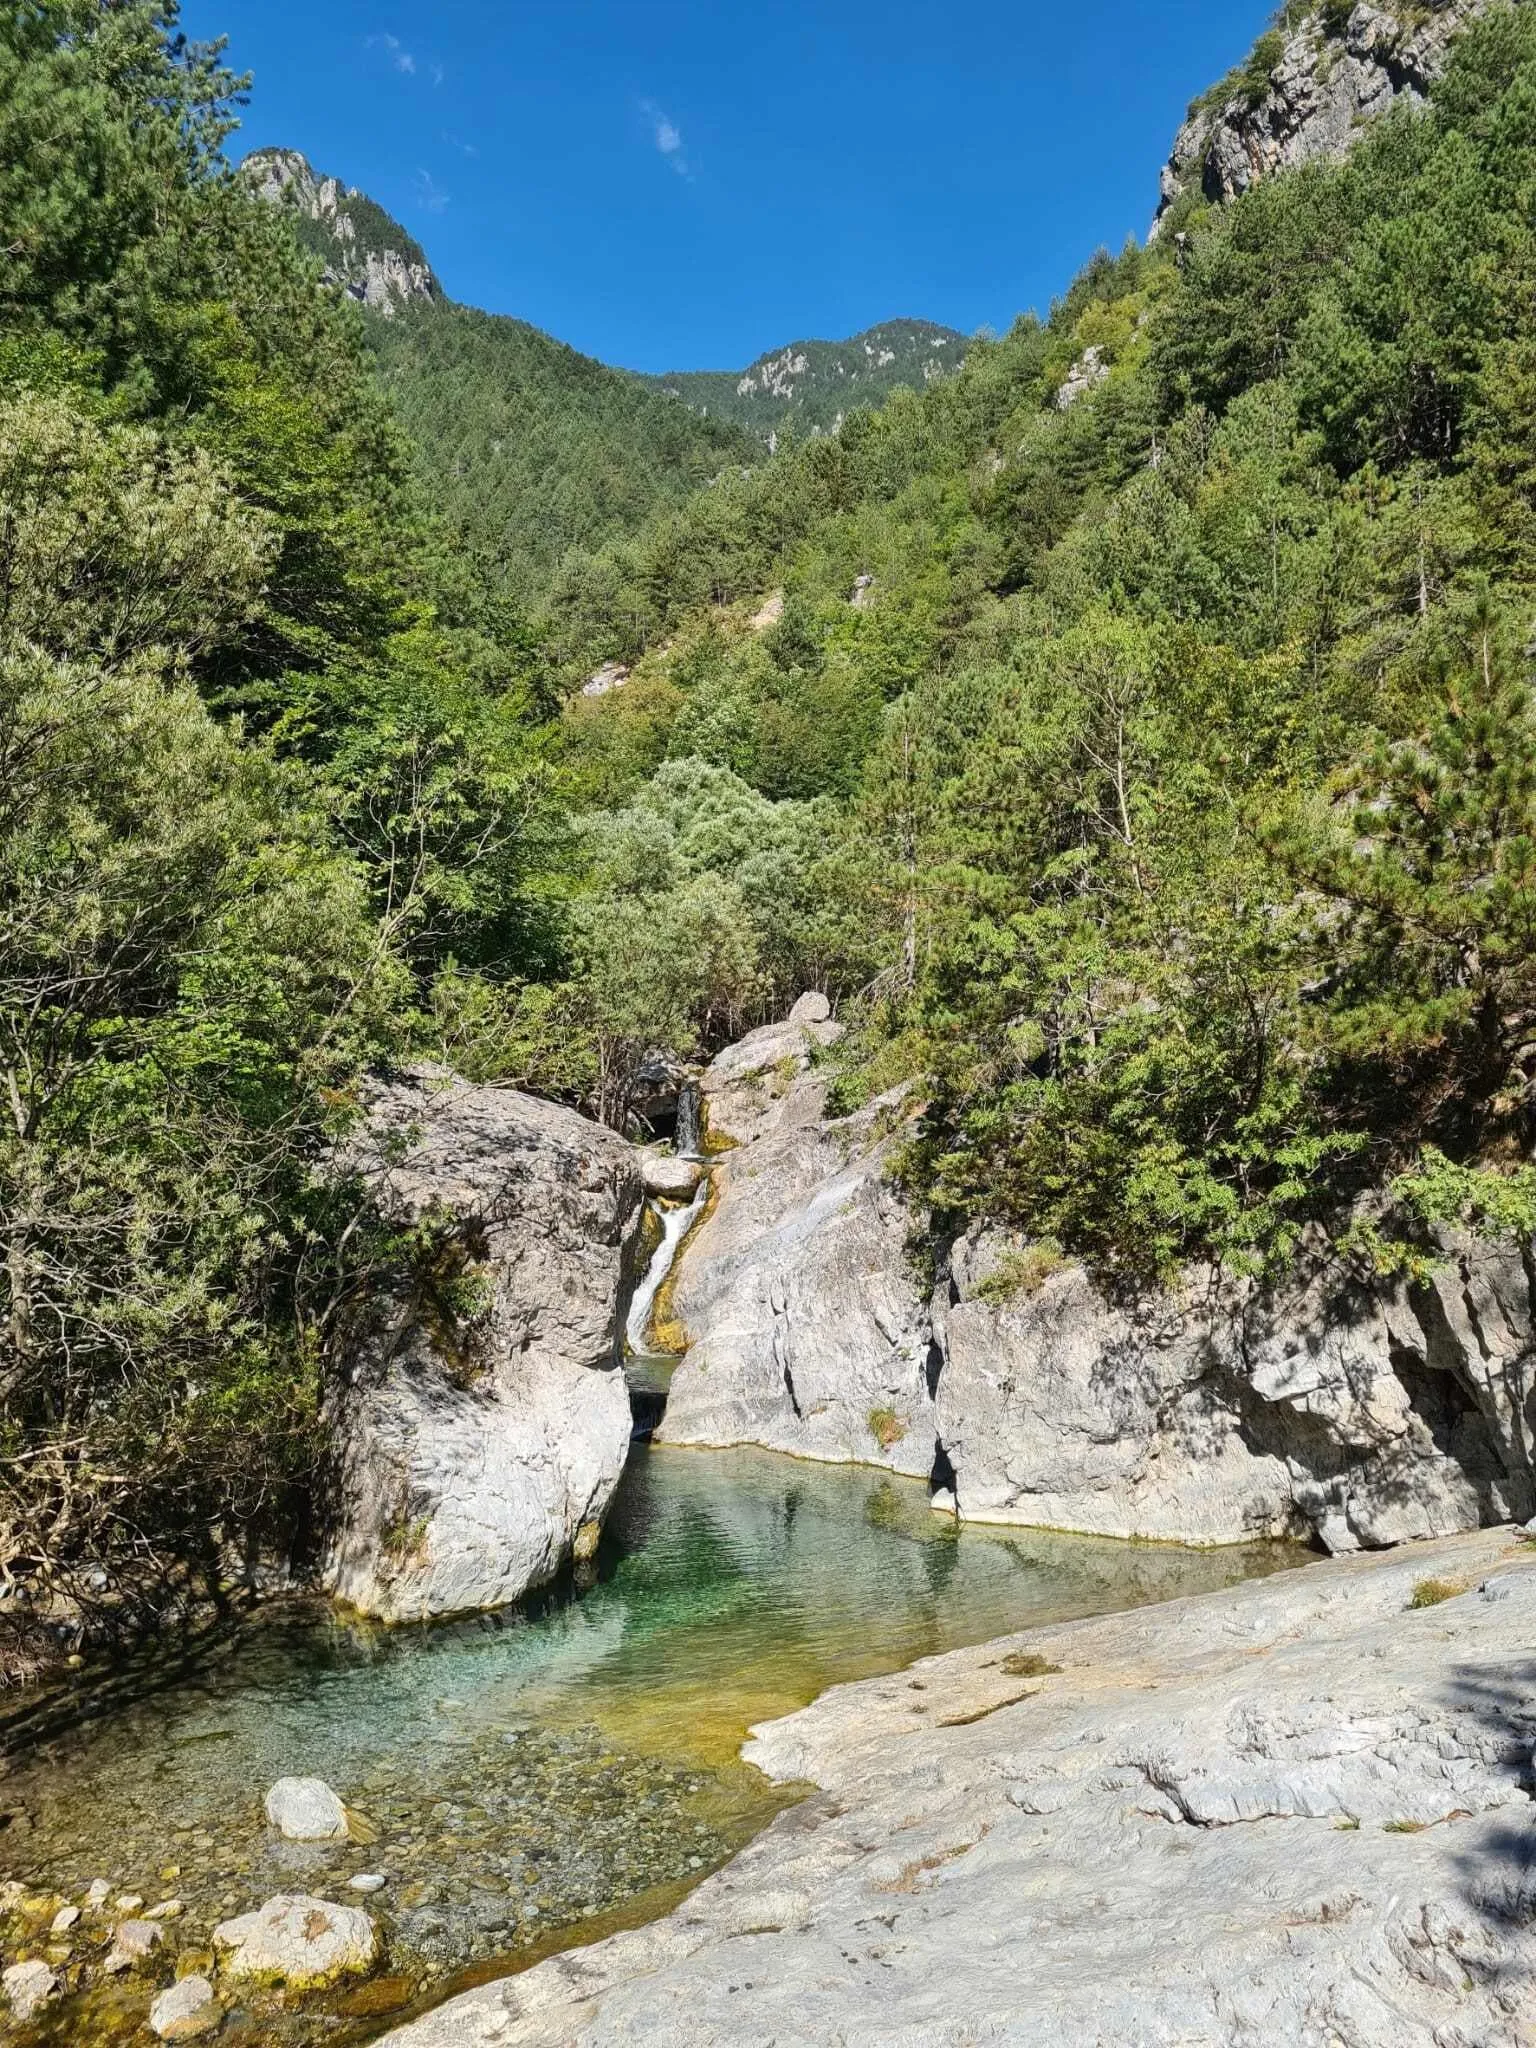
{"x":134,"y":1942}
{"x":306,"y":1810}
{"x":28,"y":1987}
{"x":298,"y":1941}
{"x":187,"y":2012}
{"x":484,"y":1416}
{"x":1293,"y":1812}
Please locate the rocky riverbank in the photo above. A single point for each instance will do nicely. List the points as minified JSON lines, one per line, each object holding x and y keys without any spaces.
{"x":1299,"y":1811}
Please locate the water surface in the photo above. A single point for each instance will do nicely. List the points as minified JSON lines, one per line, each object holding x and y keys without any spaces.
{"x":522,"y":1774}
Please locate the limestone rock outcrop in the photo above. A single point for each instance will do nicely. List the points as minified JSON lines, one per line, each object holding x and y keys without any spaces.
{"x":1321,"y":92}
{"x":367,"y":255}
{"x":482,"y":1422}
{"x":1334,"y":1406}
{"x":808,"y":1332}
{"x":1296,"y":1812}
{"x":1361,"y":1412}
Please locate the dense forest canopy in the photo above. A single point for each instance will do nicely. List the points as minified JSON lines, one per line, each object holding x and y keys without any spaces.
{"x":1146,"y":765}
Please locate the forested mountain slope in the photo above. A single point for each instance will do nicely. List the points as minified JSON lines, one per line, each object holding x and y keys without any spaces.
{"x":1145,"y":755}
{"x":811,"y":386}
{"x":528,"y":448}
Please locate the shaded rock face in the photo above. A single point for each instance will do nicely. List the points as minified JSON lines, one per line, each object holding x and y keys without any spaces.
{"x":367,"y":255}
{"x":808,"y":1331}
{"x":470,"y":1456}
{"x":1361,"y":1414}
{"x":1322,"y":92}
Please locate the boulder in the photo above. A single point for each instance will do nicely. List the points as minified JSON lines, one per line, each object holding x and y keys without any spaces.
{"x":670,"y":1178}
{"x":482,"y":1417}
{"x":306,"y":1810}
{"x":298,"y":1941}
{"x":808,"y":1332}
{"x":186,"y":2012}
{"x":134,"y":1942}
{"x":28,"y":1987}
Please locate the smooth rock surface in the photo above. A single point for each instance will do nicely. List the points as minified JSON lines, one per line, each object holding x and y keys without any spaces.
{"x":671,"y":1178}
{"x":1297,"y":1814}
{"x":469,"y":1453}
{"x":298,"y":1941}
{"x":807,"y":1332}
{"x":187,"y":2012}
{"x":1322,"y":93}
{"x":306,"y":1810}
{"x":28,"y":1987}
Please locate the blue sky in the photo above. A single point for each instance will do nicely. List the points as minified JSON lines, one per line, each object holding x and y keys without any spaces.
{"x":682,"y":184}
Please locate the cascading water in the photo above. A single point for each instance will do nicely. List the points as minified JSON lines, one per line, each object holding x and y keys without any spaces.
{"x":676,"y":1224}
{"x":689,"y":1134}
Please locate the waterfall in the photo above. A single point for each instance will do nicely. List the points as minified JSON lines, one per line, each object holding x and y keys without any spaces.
{"x":676,"y":1223}
{"x":688,"y":1134}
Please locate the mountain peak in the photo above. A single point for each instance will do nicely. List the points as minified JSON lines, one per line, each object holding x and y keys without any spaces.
{"x":366,"y":253}
{"x":1307,"y":90}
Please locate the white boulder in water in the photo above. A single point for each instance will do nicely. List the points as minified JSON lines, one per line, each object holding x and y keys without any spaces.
{"x":306,"y":1810}
{"x":186,"y":2012}
{"x":298,"y":1941}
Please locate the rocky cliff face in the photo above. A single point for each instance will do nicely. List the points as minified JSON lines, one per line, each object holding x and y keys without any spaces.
{"x":1336,"y":1407}
{"x":1320,"y":90}
{"x":366,"y":254}
{"x":808,"y":1331}
{"x":484,"y":1421}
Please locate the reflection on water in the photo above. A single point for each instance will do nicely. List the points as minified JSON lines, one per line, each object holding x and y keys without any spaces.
{"x":526,"y":1772}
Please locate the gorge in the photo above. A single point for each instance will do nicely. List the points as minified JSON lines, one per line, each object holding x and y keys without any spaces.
{"x":769,"y":1225}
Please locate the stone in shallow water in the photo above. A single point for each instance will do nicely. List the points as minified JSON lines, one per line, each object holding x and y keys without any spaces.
{"x":368,"y":1881}
{"x":185,"y":2012}
{"x":28,"y":1986}
{"x":64,"y":1919}
{"x":135,"y":1940}
{"x":298,"y":1941}
{"x":306,"y":1810}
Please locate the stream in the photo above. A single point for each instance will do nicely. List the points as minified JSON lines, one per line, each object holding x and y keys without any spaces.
{"x":530,"y":1776}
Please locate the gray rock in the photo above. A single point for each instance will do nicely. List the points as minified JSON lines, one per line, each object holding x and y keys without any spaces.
{"x":134,"y":1942}
{"x":1363,"y":1414}
{"x":186,"y":2012}
{"x":64,"y":1920}
{"x":28,"y":1987}
{"x":469,"y":1453}
{"x":1290,"y":1813}
{"x":385,"y":274}
{"x":671,"y":1178}
{"x":807,"y":1331}
{"x":1322,"y":93}
{"x":367,"y":1881}
{"x":298,"y":1941}
{"x":306,"y":1810}
{"x":1089,"y":370}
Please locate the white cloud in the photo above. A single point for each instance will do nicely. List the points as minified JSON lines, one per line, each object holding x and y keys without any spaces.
{"x":396,"y":52}
{"x":438,"y":74}
{"x":457,"y":142}
{"x":668,"y":137}
{"x":429,"y":194}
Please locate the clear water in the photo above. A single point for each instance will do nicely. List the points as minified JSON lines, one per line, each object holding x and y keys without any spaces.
{"x":525,"y":1776}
